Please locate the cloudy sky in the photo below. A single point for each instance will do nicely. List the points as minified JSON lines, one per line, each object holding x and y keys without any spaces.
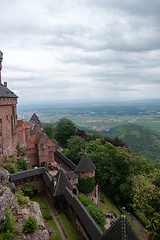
{"x":62,"y":50}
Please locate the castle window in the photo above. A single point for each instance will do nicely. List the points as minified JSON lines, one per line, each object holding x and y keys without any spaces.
{"x":7,"y":117}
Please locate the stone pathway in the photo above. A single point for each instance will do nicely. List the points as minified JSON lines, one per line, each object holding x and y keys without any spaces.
{"x":60,"y":227}
{"x":108,"y":219}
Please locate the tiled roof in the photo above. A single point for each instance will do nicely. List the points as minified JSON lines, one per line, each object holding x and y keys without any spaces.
{"x":5,"y":92}
{"x":86,"y":220}
{"x":85,"y":165}
{"x":62,"y":183}
{"x":67,"y":161}
{"x":120,"y":230}
{"x":21,"y":125}
{"x":35,"y":119}
{"x":27,"y":173}
{"x":40,"y":138}
{"x":33,"y":140}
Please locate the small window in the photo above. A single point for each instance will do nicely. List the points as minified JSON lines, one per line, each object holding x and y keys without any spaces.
{"x":7,"y":117}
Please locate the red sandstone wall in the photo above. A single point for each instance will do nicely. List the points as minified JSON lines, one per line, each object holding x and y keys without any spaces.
{"x":8,"y":123}
{"x":64,"y":166}
{"x":40,"y":186}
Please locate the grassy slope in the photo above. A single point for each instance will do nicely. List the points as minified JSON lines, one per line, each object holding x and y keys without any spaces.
{"x":70,"y":227}
{"x":139,"y":139}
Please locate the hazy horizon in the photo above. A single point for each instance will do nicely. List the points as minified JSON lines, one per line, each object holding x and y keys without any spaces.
{"x":93,"y":50}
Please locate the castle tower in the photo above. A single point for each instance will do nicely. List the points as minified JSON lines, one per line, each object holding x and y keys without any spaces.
{"x":8,"y":118}
{"x":1,"y":58}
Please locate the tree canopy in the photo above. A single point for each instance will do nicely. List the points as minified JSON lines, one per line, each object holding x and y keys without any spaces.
{"x":64,"y":129}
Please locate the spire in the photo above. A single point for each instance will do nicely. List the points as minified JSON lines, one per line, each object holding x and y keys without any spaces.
{"x":1,"y":58}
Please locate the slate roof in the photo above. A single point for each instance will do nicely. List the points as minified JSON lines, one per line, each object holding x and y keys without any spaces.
{"x":34,"y":129}
{"x":48,"y":181}
{"x":27,"y":173}
{"x":62,"y":183}
{"x":5,"y":92}
{"x":67,"y":161}
{"x":120,"y":230}
{"x":71,"y":175}
{"x":35,"y":119}
{"x":92,"y":229}
{"x":85,"y":165}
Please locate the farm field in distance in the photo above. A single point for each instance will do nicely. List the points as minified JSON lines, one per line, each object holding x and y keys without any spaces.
{"x":99,"y":117}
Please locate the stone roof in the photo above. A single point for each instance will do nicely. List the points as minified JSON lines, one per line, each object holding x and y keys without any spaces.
{"x":90,"y":226}
{"x":36,"y":120}
{"x":120,"y":230}
{"x":85,"y":165}
{"x":62,"y":183}
{"x":27,"y":173}
{"x":5,"y":92}
{"x":21,"y":125}
{"x":66,"y":160}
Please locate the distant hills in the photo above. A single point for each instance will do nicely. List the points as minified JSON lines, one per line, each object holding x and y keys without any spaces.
{"x":139,"y":139}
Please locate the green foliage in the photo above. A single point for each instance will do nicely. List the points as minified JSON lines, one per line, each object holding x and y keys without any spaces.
{"x":115,"y":167}
{"x":74,"y":145}
{"x":146,"y":204}
{"x":86,"y":184}
{"x":64,"y":129}
{"x":21,"y":198}
{"x":10,"y":167}
{"x":44,"y":210}
{"x":22,"y":164}
{"x":28,"y":189}
{"x":49,"y":130}
{"x":18,"y":150}
{"x":30,"y":225}
{"x":8,"y":228}
{"x":93,"y":210}
{"x":70,"y":227}
{"x":139,"y":139}
{"x":47,"y":215}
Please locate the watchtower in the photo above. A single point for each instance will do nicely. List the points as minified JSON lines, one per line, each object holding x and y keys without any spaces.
{"x":8,"y":118}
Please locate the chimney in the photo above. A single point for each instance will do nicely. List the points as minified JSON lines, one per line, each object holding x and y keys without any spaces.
{"x":5,"y":84}
{"x":1,"y":58}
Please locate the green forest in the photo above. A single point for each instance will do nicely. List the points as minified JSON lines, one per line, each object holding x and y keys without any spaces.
{"x":130,"y":179}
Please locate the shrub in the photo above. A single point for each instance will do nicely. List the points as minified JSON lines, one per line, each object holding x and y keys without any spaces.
{"x":47,"y":215}
{"x":21,"y":198}
{"x":30,"y":225}
{"x":10,"y":168}
{"x":28,"y":189}
{"x":86,"y":184}
{"x":95,"y":212}
{"x":8,"y":228}
{"x":22,"y":164}
{"x":18,"y":150}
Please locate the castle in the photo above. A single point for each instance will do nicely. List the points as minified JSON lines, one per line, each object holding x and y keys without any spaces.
{"x":53,"y":173}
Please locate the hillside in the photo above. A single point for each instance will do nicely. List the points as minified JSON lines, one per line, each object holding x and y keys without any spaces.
{"x":139,"y":139}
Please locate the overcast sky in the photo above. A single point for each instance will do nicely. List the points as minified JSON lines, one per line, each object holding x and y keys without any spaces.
{"x":81,"y":50}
